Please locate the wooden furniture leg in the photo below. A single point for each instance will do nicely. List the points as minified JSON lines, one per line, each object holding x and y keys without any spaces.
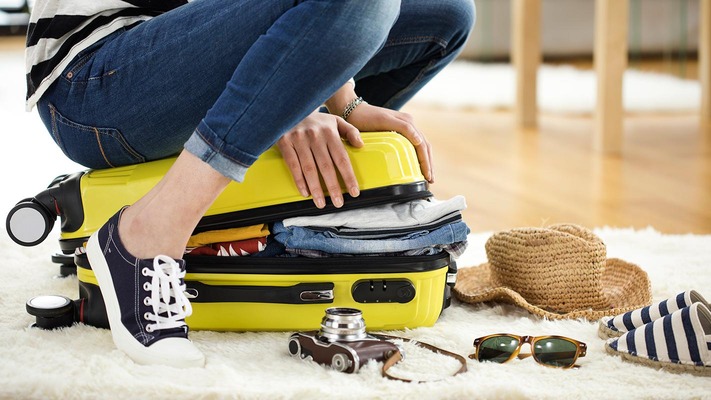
{"x":705,"y":63}
{"x":526,"y":58}
{"x":610,"y":59}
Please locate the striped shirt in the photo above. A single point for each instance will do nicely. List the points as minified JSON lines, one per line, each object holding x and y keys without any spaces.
{"x":59,"y":30}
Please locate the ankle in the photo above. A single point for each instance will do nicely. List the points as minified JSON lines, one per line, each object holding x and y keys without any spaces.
{"x":146,"y":237}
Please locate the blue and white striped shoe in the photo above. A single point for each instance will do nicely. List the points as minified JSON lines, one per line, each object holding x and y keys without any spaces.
{"x":612,"y":327}
{"x":678,"y":342}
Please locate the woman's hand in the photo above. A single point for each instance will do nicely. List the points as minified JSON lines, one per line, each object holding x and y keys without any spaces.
{"x":314,"y":147}
{"x":367,"y":117}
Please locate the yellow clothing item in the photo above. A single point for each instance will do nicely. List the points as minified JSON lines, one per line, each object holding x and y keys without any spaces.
{"x":228,"y":235}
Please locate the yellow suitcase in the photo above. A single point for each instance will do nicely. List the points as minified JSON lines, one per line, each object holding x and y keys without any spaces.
{"x":249,"y":293}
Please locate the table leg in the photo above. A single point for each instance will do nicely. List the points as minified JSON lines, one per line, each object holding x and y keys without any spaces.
{"x":705,"y":62}
{"x":526,"y":57}
{"x":610,"y":58}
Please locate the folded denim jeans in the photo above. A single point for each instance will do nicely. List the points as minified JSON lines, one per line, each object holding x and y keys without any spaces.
{"x":295,"y":237}
{"x":455,"y":249}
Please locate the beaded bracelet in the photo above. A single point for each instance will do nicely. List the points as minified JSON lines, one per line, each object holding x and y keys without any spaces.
{"x":351,"y":106}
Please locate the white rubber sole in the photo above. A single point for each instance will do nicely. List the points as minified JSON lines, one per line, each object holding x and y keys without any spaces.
{"x":174,"y":352}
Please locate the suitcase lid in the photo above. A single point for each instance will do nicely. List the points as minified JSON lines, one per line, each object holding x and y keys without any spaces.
{"x":386,"y":167}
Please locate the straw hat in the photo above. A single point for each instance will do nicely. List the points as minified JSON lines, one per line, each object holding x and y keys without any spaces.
{"x":556,"y":272}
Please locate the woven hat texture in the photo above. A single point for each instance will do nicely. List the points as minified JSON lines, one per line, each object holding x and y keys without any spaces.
{"x":561,"y":271}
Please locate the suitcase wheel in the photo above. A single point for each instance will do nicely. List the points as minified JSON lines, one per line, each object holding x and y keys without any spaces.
{"x":66,"y":264}
{"x":29,"y":223}
{"x":51,"y":312}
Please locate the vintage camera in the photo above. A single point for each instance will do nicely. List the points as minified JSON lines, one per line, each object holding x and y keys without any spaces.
{"x":342,"y":342}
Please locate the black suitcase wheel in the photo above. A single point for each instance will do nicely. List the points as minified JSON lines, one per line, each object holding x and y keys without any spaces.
{"x":29,"y":223}
{"x":51,"y":312}
{"x":66,"y":264}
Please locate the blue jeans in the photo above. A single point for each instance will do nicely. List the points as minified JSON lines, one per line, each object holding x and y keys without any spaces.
{"x":296,"y":237}
{"x":225,"y":79}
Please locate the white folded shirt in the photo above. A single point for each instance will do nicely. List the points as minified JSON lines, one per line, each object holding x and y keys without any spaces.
{"x":392,"y":215}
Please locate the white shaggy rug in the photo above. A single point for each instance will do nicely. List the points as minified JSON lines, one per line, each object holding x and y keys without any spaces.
{"x":561,"y":89}
{"x":81,"y":361}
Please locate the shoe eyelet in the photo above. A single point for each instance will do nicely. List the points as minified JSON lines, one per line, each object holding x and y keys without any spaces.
{"x":147,"y":301}
{"x":149,"y":328}
{"x":147,"y":316}
{"x":147,"y":287}
{"x":144,"y":271}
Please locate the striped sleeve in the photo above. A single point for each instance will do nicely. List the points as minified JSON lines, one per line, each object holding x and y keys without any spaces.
{"x":59,"y":30}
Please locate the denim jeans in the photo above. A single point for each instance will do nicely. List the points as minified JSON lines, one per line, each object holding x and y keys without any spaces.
{"x":296,"y":237}
{"x":225,"y":79}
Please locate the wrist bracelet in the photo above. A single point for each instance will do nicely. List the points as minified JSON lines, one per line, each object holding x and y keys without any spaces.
{"x":350,"y":107}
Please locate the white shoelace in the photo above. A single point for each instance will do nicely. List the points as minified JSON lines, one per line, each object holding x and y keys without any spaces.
{"x":165,"y":283}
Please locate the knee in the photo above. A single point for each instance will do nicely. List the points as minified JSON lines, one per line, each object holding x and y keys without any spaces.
{"x":366,"y":24}
{"x":380,"y":14}
{"x":458,"y":18}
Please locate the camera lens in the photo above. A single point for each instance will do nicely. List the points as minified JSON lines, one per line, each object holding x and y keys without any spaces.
{"x":343,"y":324}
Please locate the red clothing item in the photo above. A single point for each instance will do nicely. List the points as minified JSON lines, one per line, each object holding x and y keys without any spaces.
{"x":237,"y":248}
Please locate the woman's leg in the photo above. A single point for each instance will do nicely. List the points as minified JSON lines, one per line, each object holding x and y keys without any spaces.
{"x":291,"y":67}
{"x":427,"y":36}
{"x":145,"y":90}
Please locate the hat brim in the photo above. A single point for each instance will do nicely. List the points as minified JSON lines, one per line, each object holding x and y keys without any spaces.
{"x":625,"y":285}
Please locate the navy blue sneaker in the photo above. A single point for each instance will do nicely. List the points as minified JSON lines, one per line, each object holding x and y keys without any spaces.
{"x":145,"y":301}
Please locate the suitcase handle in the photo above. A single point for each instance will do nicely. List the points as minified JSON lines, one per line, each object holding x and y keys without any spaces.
{"x":301,"y":293}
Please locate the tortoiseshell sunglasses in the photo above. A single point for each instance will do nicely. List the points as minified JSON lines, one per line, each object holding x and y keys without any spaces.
{"x":551,"y":351}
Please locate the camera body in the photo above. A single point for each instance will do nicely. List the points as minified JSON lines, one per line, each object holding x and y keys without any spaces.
{"x":342,"y":342}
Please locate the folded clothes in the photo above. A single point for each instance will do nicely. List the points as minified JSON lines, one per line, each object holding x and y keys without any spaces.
{"x":296,"y":237}
{"x":228,"y":235}
{"x":236,"y":248}
{"x":455,"y":249}
{"x":379,"y":233}
{"x":393,"y":215}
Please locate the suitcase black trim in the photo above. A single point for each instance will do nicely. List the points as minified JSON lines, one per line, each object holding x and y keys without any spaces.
{"x":268,"y":214}
{"x":315,"y":266}
{"x":63,"y":198}
{"x":305,"y":265}
{"x":262,"y":215}
{"x":301,"y":293}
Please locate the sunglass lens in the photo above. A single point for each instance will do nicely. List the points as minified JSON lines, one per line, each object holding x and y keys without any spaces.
{"x":555,"y":352}
{"x":497,"y":349}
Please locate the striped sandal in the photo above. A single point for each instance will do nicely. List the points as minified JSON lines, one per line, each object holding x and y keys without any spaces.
{"x":612,"y":327}
{"x":679,"y":342}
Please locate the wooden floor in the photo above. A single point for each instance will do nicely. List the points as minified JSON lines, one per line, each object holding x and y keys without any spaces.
{"x":514,"y":178}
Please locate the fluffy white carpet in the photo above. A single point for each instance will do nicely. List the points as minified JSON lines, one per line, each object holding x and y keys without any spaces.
{"x":561,"y":89}
{"x":81,"y":362}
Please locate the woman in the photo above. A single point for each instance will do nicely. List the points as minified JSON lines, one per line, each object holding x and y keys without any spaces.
{"x":218,"y":82}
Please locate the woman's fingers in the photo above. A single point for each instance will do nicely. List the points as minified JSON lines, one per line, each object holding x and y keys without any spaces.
{"x":325,"y":159}
{"x":314,"y":151}
{"x":422,"y":146}
{"x":292,"y":161}
{"x":349,"y":132}
{"x":343,"y":162}
{"x":367,"y":117}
